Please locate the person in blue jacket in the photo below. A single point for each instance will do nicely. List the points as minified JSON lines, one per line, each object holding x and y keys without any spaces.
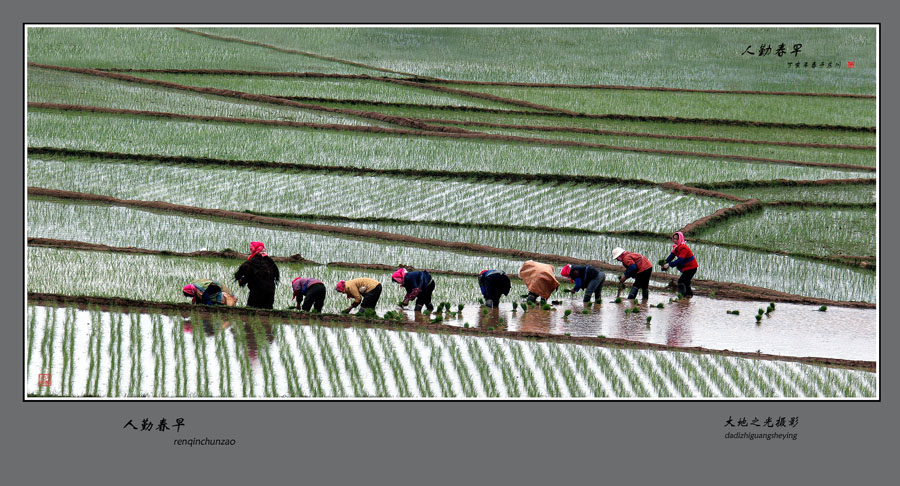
{"x":418,"y":284}
{"x":494,"y":284}
{"x":585,"y":277}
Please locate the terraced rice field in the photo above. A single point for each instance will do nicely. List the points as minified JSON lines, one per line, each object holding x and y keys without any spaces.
{"x":354,"y":150}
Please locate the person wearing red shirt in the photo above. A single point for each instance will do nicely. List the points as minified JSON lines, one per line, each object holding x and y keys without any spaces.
{"x":637,"y":266}
{"x":683,"y":259}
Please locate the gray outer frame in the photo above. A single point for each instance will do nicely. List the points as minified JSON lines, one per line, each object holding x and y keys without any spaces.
{"x":432,"y":442}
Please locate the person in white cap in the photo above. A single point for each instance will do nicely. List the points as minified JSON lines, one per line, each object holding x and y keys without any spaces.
{"x":637,"y":266}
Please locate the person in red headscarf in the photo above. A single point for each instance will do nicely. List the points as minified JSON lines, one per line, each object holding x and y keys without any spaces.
{"x":260,"y":274}
{"x":683,"y":259}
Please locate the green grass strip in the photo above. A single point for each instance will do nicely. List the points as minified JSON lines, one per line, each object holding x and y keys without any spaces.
{"x":331,"y":364}
{"x":465,"y":376}
{"x":287,"y":361}
{"x":528,"y":380}
{"x":546,"y":366}
{"x":356,"y":382}
{"x":312,"y":370}
{"x":374,"y":363}
{"x":502,"y":363}
{"x":390,"y":355}
{"x":484,"y":368}
{"x":415,"y":358}
{"x":437,"y":364}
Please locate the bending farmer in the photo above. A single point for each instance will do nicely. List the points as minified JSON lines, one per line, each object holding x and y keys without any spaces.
{"x":637,"y":266}
{"x":260,"y":274}
{"x":310,"y":291}
{"x":365,"y":292}
{"x":209,"y":292}
{"x":585,"y":277}
{"x":419,"y":285}
{"x":683,"y":259}
{"x":493,"y":283}
{"x":539,"y":280}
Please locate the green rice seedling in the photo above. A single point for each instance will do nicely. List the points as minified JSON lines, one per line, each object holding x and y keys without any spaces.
{"x":350,"y":365}
{"x":466,"y":325}
{"x":514,"y":306}
{"x":758,"y":318}
{"x":566,"y":313}
{"x":618,"y":300}
{"x":648,"y":319}
{"x":491,"y":328}
{"x":660,"y":305}
{"x":712,"y":294}
{"x":545,"y":306}
{"x":485,"y":311}
{"x":437,"y":318}
{"x":823,"y":308}
{"x":585,"y":311}
{"x":760,"y":311}
{"x":459,"y":307}
{"x":393,"y":360}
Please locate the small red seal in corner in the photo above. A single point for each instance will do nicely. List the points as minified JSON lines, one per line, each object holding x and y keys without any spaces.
{"x":44,"y":379}
{"x":849,"y":64}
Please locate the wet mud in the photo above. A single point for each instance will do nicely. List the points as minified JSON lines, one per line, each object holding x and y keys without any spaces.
{"x":532,"y":327}
{"x":420,"y":129}
{"x":748,"y":206}
{"x":784,"y":182}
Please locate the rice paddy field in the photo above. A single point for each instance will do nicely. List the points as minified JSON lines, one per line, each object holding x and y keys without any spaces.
{"x":156,"y":155}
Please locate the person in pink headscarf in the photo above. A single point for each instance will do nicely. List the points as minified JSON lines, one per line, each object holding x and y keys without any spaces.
{"x":683,"y":259}
{"x":260,"y":274}
{"x":208,"y":292}
{"x":418,"y":284}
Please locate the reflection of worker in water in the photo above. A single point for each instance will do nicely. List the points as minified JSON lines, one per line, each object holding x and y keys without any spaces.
{"x":637,"y":266}
{"x":365,"y":293}
{"x":585,"y":277}
{"x":683,"y":259}
{"x":310,"y":291}
{"x":679,"y":321}
{"x":494,"y":284}
{"x":419,"y":285}
{"x":260,"y":274}
{"x":208,"y":292}
{"x":539,"y":280}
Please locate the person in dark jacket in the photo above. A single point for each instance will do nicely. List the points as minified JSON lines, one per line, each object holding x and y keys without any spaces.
{"x":683,"y":259}
{"x":310,"y":291}
{"x":260,"y":274}
{"x":585,"y":277}
{"x":494,"y":284}
{"x":419,"y":285}
{"x":637,"y":266}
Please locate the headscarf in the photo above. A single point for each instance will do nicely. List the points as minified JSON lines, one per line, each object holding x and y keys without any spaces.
{"x":398,"y":275}
{"x":680,"y":240}
{"x":257,"y":248}
{"x":340,"y":287}
{"x":565,"y":270}
{"x":190,"y":290}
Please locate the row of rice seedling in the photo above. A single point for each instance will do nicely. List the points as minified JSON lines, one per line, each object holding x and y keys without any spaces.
{"x":380,"y":151}
{"x":356,"y":89}
{"x":805,"y":154}
{"x":843,"y":193}
{"x":819,"y":231}
{"x":162,"y":48}
{"x":157,"y":278}
{"x":308,"y":361}
{"x":783,"y":109}
{"x":759,"y":267}
{"x":585,"y":206}
{"x":179,"y":233}
{"x":49,"y":86}
{"x":448,"y":115}
{"x":535,"y":54}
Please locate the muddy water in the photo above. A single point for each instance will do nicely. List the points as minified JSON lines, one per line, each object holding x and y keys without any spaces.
{"x":790,"y":330}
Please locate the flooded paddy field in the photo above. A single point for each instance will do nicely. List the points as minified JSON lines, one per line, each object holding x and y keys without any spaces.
{"x":93,"y":353}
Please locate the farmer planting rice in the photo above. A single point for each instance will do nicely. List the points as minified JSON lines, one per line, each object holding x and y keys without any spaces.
{"x":637,"y":266}
{"x":683,"y":259}
{"x":209,"y":292}
{"x":260,"y":274}
{"x":539,"y":280}
{"x":585,"y":277}
{"x":364,"y":292}
{"x":310,"y":291}
{"x":419,"y":285}
{"x":493,"y":283}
